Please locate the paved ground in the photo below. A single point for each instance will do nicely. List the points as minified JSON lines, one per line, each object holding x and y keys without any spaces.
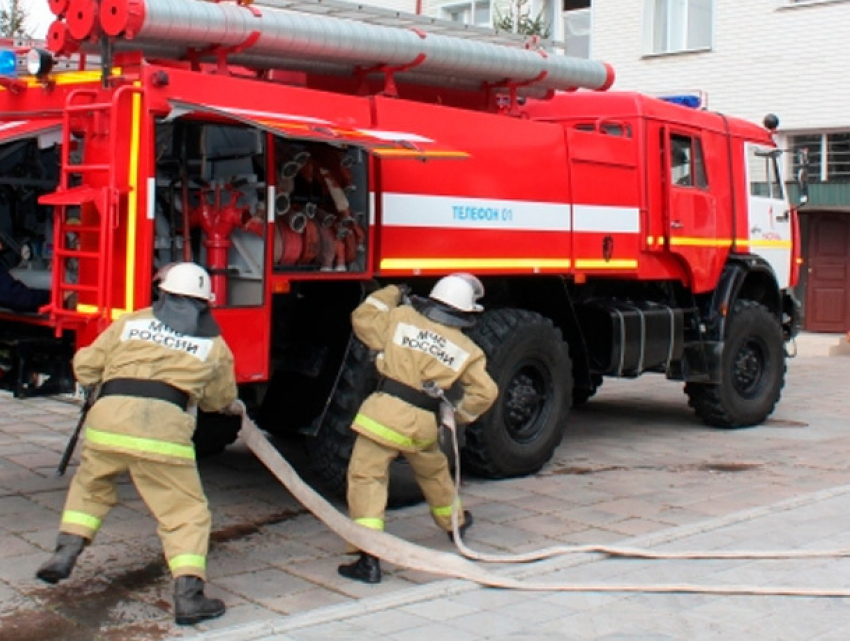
{"x":635,"y":468}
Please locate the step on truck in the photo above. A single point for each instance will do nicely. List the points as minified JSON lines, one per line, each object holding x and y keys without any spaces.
{"x":306,"y":155}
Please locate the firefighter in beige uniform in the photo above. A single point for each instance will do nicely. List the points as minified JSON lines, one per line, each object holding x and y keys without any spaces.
{"x":152,"y":365}
{"x":418,"y":344}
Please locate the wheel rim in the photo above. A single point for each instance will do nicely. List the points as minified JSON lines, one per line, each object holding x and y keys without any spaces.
{"x":750,"y":366}
{"x":527,"y":401}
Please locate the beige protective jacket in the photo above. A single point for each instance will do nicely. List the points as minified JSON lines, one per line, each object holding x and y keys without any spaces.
{"x":414,"y":349}
{"x":137,"y":345}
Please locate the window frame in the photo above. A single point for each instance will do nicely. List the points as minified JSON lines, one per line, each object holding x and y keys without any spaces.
{"x":821,"y":156}
{"x":773,"y":177}
{"x":580,"y":12}
{"x":468,"y":7}
{"x":653,"y":46}
{"x":697,"y":169}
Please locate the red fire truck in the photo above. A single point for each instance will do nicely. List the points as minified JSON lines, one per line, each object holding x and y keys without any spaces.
{"x":303,"y":159}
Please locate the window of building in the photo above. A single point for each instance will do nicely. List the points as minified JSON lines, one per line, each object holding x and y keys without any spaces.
{"x":476,"y":12}
{"x":763,"y":171}
{"x":838,"y":157}
{"x":577,"y":27}
{"x":826,"y":156}
{"x":678,"y":25}
{"x":687,"y":163}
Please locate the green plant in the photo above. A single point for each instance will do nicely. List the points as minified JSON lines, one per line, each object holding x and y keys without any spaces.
{"x":13,"y":18}
{"x":519,"y":20}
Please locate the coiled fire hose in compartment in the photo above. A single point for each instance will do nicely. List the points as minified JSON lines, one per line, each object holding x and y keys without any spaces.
{"x":416,"y":557}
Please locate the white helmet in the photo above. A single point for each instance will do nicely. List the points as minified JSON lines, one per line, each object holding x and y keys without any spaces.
{"x":459,"y":291}
{"x":186,"y":279}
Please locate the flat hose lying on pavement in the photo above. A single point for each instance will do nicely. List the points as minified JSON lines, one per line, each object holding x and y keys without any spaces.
{"x":416,"y":557}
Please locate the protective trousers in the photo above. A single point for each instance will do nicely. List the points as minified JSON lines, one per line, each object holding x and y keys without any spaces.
{"x":173,"y":493}
{"x":368,"y":482}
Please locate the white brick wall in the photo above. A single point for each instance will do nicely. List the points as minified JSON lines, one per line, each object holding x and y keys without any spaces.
{"x":766,"y":57}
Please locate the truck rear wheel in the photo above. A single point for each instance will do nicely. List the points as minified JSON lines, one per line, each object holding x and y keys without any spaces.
{"x":330,"y":449}
{"x":530,"y":362}
{"x":752,"y":371}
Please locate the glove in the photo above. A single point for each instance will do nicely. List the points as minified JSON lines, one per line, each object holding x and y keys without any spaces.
{"x":404,"y":290}
{"x":236,"y":408}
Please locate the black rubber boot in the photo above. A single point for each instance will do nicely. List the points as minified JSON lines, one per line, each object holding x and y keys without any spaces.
{"x":68,"y":548}
{"x":190,"y":604}
{"x":467,"y":523}
{"x":367,"y":569}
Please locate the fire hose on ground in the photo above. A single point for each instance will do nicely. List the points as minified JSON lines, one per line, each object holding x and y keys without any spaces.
{"x":409,"y":555}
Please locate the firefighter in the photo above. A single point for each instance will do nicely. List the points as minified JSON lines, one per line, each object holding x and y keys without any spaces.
{"x":419,"y":345}
{"x":154,"y":366}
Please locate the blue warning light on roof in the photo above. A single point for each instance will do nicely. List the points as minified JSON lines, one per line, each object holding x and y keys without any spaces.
{"x":686,"y":100}
{"x":8,"y":63}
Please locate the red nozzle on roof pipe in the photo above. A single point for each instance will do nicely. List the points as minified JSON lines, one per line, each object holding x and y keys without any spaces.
{"x":610,"y":76}
{"x":58,"y":7}
{"x":59,"y":41}
{"x":119,"y":17}
{"x":82,"y":19}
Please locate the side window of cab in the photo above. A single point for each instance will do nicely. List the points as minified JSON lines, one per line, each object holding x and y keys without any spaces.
{"x":687,"y":162}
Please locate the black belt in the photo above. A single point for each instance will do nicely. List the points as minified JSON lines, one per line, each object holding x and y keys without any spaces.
{"x":145,"y":389}
{"x":409,"y":395}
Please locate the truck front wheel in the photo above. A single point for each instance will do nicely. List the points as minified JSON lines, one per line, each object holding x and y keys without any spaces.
{"x":530,"y":362}
{"x":752,"y":371}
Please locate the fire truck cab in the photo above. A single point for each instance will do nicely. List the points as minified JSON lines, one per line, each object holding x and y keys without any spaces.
{"x":616,"y":233}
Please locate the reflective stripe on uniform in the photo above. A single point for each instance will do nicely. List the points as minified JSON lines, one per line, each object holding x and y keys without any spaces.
{"x":387,"y":434}
{"x":445,"y":510}
{"x":138,"y":444}
{"x":187,"y":561}
{"x":372,"y":524}
{"x":81,"y":518}
{"x":374,"y":302}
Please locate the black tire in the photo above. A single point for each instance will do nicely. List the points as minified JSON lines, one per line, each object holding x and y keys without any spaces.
{"x":752,"y":371}
{"x":330,"y":449}
{"x":530,"y":362}
{"x":214,"y":432}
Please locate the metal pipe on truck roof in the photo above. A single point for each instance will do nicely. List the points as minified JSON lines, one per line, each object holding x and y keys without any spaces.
{"x":264,"y":33}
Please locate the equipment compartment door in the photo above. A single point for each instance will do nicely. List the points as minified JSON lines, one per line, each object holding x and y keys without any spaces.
{"x":210,"y":204}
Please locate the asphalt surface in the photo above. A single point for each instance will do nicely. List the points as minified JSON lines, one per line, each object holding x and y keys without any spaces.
{"x":635,"y":468}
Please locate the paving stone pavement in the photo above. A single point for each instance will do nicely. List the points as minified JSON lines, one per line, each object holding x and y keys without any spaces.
{"x":636,"y":468}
